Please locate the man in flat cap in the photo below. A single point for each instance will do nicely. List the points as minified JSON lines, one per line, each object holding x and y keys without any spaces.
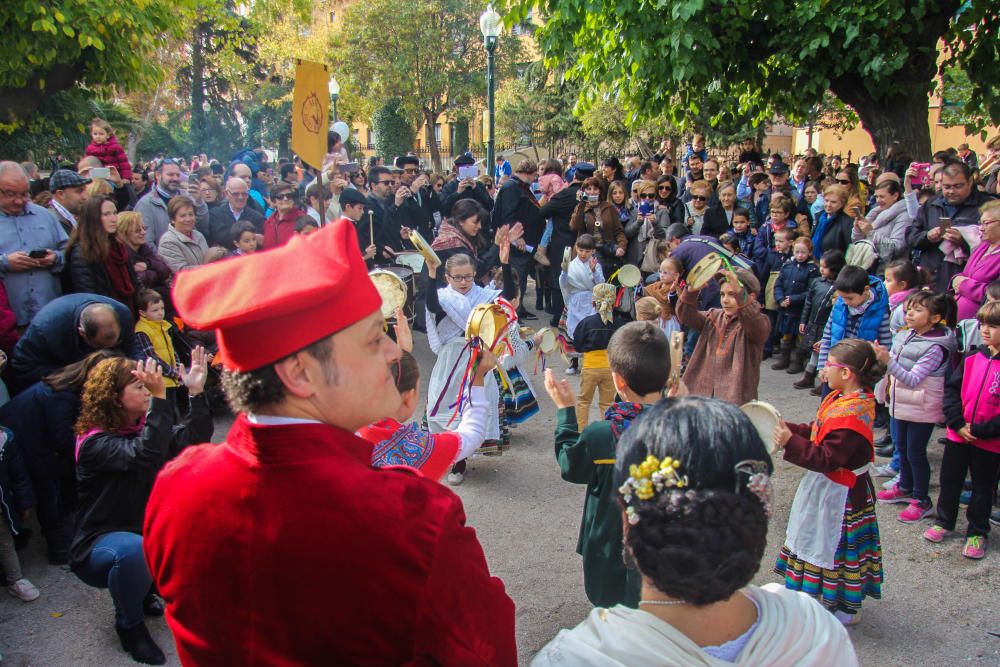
{"x":282,"y":545}
{"x":464,"y":186}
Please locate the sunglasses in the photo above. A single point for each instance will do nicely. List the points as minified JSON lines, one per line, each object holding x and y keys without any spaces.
{"x":647,"y":195}
{"x":665,"y":188}
{"x":844,"y":181}
{"x":698,"y":198}
{"x":284,"y":195}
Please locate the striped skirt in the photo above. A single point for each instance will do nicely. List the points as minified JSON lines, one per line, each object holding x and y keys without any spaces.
{"x":518,"y":399}
{"x":858,"y":571}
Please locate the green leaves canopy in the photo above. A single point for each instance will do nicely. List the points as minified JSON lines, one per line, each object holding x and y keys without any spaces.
{"x":733,"y":61}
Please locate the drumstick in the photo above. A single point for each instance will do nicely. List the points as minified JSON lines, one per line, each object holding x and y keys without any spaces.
{"x":371,"y":228}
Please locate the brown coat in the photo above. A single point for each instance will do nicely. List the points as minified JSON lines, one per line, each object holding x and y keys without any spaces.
{"x":726,"y":360}
{"x":610,"y":231}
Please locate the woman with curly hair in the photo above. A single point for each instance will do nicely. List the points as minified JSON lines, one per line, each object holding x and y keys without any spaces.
{"x":694,"y":483}
{"x":125,"y":434}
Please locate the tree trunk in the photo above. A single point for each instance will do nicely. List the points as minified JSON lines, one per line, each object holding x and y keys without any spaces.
{"x":901,"y":118}
{"x":430,"y":120}
{"x":198,"y":90}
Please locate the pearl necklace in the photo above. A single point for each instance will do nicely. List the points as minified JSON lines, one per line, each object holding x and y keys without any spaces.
{"x":662,"y":602}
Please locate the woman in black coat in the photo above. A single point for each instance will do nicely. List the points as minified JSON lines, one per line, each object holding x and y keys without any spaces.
{"x":669,"y":207}
{"x":98,"y":262}
{"x":833,"y":226}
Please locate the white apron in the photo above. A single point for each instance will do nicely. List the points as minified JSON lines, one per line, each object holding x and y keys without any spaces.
{"x":817,"y":518}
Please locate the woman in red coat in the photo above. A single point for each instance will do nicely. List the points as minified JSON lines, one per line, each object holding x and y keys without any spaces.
{"x":280,"y":225}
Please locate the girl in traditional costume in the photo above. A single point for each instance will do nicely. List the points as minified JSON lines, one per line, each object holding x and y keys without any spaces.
{"x":832,"y":549}
{"x":577,"y":282}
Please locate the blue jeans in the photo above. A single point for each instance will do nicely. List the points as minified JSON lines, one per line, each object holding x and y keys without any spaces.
{"x":894,"y":464}
{"x":117,"y":563}
{"x":914,"y":468}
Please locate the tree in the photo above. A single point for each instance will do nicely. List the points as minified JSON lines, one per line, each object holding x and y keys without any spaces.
{"x":49,"y":47}
{"x":427,"y":53}
{"x":393,"y":132}
{"x":722,"y":59}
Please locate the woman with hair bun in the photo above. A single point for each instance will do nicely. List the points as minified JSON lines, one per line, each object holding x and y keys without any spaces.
{"x":832,"y":548}
{"x":694,"y":479}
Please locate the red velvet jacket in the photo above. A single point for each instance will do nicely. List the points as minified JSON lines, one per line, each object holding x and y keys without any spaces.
{"x":278,"y":228}
{"x":283,"y":546}
{"x":111,"y":154}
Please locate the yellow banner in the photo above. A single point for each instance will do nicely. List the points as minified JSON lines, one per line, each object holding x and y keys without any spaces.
{"x":310,"y":112}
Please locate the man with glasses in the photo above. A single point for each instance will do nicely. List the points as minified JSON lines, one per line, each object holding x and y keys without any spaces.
{"x":31,"y":243}
{"x":235,"y":209}
{"x":153,"y":206}
{"x":940,"y":247}
{"x":465,"y":188}
{"x":414,"y":203}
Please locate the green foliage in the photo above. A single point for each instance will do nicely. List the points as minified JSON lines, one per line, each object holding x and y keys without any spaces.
{"x":956,"y":107}
{"x":52,"y":46}
{"x":461,"y":141}
{"x":734,"y":63}
{"x":393,"y":132}
{"x":158,"y":140}
{"x":536,"y":107}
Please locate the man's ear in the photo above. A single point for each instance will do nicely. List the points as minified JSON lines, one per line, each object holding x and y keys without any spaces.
{"x":619,"y":381}
{"x":295,"y":375}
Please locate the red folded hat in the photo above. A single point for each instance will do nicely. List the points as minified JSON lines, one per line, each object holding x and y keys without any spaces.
{"x":268,"y":305}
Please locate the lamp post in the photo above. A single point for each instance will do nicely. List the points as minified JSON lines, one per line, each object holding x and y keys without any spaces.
{"x":334,"y":88}
{"x":490,"y":25}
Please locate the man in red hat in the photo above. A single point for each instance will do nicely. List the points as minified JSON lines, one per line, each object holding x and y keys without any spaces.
{"x":283,"y":545}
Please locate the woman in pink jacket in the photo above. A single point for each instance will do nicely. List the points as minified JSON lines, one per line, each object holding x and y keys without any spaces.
{"x":983,"y":266}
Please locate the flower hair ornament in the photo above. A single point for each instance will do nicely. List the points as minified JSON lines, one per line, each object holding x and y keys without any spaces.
{"x":647,"y":479}
{"x":758,"y":481}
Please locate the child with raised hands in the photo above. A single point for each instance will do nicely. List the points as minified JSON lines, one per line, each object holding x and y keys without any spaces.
{"x":832,"y":549}
{"x":639,"y":356}
{"x":397,"y":443}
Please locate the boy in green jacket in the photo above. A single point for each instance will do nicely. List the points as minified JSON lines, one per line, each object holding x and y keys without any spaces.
{"x":639,"y":356}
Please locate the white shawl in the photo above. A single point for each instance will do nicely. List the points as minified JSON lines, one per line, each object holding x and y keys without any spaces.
{"x":793,"y":630}
{"x":458,"y":307}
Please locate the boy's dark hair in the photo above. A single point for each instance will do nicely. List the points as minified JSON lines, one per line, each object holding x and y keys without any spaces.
{"x":993,"y":291}
{"x":305,"y":221}
{"x":406,"y":371}
{"x":239,"y":229}
{"x":147,"y":298}
{"x":786,"y":233}
{"x":586,"y":242}
{"x":640,"y":353}
{"x":757,"y":178}
{"x":742,"y":212}
{"x":851,"y":279}
{"x":834,"y":261}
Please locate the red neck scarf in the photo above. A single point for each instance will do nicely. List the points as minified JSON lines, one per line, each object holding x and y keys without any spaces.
{"x":116,"y":264}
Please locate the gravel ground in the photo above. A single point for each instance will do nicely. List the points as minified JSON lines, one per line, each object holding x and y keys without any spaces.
{"x":938,"y":607}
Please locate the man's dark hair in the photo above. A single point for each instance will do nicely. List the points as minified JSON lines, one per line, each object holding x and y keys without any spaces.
{"x":249,"y":391}
{"x":646,"y":166}
{"x":756,"y":178}
{"x":852,"y":280}
{"x":286,"y":169}
{"x":376,"y":173}
{"x":677,"y":230}
{"x":956,"y":168}
{"x":88,"y":318}
{"x":639,"y":352}
{"x":942,"y":156}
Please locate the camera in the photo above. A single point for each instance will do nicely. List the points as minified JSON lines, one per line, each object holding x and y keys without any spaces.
{"x":645,"y":207}
{"x":593,"y":199}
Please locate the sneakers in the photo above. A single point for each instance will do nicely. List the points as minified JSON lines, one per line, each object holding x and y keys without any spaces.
{"x":936,"y":534}
{"x":995,"y":518}
{"x":894,"y":495}
{"x":846,"y":618}
{"x":884,"y":471}
{"x":891,"y":483}
{"x":570,"y":371}
{"x":975,"y":547}
{"x":965,"y":498}
{"x":27,"y":591}
{"x":456,"y":478}
{"x":916,"y":511}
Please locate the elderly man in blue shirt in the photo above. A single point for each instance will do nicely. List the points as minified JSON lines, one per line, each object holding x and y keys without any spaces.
{"x":31,"y":242}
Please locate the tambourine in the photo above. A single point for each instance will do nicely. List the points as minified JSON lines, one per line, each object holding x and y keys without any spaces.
{"x":391,"y":288}
{"x":488,"y":323}
{"x":702,"y":272}
{"x":628,"y":275}
{"x":548,"y":341}
{"x":424,"y":248}
{"x":765,"y":418}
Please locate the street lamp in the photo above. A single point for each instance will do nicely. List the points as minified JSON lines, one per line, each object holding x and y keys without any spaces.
{"x":334,"y":89}
{"x":490,"y":25}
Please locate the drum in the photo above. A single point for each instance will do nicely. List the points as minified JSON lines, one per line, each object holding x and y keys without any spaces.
{"x":629,"y":275}
{"x":409,"y":278}
{"x":392,"y":290}
{"x":704,"y":270}
{"x":488,"y":322}
{"x":424,"y":248}
{"x":412,"y":260}
{"x":765,"y":418}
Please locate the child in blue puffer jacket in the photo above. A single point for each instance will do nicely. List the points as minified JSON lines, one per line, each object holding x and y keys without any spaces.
{"x":790,"y":291}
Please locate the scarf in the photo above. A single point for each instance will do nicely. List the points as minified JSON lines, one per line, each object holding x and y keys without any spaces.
{"x":164,"y":195}
{"x":604,"y":300}
{"x":822,"y":222}
{"x":900,"y":297}
{"x":621,"y":415}
{"x":579,"y":276}
{"x":450,"y":236}
{"x":854,"y":412}
{"x":116,"y":265}
{"x":624,"y":214}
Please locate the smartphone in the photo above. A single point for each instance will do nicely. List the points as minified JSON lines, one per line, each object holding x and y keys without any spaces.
{"x":349,"y":168}
{"x":645,"y":207}
{"x":944,"y":224}
{"x":38,"y":254}
{"x":100,"y":172}
{"x":923,"y":173}
{"x":468,"y":171}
